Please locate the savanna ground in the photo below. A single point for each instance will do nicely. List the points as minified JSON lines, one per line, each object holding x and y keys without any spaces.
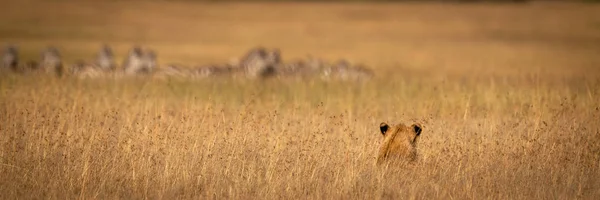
{"x":508,"y":95}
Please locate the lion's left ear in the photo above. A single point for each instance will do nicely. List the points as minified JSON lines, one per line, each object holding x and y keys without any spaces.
{"x":383,"y":127}
{"x":417,"y":128}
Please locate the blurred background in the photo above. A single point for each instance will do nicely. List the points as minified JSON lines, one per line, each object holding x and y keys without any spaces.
{"x":452,"y":37}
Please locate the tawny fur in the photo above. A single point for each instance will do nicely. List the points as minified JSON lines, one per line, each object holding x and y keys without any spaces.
{"x":399,"y":142}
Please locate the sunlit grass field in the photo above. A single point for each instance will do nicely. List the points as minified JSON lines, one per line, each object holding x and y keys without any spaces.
{"x":508,"y":96}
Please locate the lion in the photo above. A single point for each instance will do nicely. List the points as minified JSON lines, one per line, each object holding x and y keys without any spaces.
{"x":399,"y":142}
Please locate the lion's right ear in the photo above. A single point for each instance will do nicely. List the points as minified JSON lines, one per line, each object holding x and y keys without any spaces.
{"x":417,"y":128}
{"x":383,"y":127}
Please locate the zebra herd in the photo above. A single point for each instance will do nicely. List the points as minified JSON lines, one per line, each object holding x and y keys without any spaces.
{"x":257,"y":63}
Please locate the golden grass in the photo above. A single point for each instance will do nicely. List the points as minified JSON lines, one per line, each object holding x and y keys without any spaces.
{"x":508,"y":96}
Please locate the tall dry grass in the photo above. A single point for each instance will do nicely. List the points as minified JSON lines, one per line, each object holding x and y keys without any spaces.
{"x":504,"y":117}
{"x":228,"y":139}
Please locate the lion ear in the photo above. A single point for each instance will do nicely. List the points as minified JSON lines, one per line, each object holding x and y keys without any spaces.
{"x":383,"y":127}
{"x":417,"y":128}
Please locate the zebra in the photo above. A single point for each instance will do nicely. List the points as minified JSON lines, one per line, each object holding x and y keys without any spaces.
{"x":140,"y":61}
{"x":10,"y":58}
{"x":303,"y":68}
{"x":213,"y":70}
{"x":149,"y":59}
{"x":172,"y":70}
{"x":199,"y":72}
{"x":134,"y":62}
{"x":81,"y":69}
{"x":52,"y":61}
{"x":105,"y":59}
{"x":343,"y":70}
{"x":260,"y":62}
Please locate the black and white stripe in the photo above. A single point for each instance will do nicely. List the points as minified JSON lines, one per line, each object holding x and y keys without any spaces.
{"x":52,"y":61}
{"x":260,"y":62}
{"x":105,"y":59}
{"x":10,"y":58}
